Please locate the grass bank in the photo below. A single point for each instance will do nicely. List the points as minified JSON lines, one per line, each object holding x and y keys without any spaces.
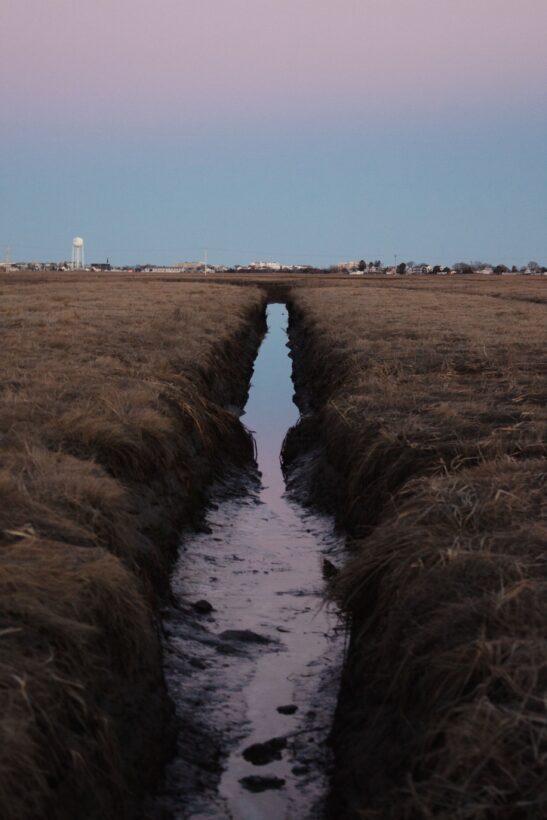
{"x":115,"y":413}
{"x":430,"y":409}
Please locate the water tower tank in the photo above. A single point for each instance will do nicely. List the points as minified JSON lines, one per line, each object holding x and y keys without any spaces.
{"x":77,"y":253}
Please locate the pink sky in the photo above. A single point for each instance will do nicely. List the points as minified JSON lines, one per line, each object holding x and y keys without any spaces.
{"x":202,"y":60}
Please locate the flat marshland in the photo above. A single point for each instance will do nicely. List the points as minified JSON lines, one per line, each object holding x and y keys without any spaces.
{"x":430,"y":403}
{"x":115,"y":414}
{"x":424,"y":430}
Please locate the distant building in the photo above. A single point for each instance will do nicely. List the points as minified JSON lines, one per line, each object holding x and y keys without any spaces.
{"x":349,"y":266}
{"x":277,"y":266}
{"x":184,"y":267}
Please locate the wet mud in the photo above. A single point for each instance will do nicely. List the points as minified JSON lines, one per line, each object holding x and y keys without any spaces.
{"x":252,"y":650}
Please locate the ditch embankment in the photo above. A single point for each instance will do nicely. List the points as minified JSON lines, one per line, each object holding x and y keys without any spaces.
{"x":425,"y":433}
{"x":119,"y":407}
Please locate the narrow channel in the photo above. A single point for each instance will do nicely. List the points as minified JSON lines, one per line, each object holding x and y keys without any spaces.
{"x":253,"y":652}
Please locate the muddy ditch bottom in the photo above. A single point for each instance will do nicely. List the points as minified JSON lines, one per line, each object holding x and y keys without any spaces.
{"x":252,"y":652}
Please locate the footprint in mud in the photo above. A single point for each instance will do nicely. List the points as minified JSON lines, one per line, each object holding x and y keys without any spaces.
{"x":203,"y":607}
{"x":245,"y":636}
{"x":261,"y":783}
{"x":289,"y":709}
{"x":239,"y":641}
{"x":260,"y":754}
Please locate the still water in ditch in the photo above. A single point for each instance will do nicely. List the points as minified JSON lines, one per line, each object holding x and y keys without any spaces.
{"x":253,"y":653}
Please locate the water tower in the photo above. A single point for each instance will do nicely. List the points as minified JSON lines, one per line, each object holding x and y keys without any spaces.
{"x":77,"y":253}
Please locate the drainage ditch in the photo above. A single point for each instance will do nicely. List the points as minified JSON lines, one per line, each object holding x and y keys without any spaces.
{"x":253,"y":652}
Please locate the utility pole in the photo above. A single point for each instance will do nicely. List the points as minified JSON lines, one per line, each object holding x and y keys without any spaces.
{"x":7,"y":257}
{"x":205,"y":261}
{"x":396,"y":257}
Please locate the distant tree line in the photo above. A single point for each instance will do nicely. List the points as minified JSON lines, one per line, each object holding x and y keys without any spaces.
{"x":376,"y":265}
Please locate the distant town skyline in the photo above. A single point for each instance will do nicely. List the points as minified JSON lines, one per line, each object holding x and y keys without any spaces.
{"x":293,"y":130}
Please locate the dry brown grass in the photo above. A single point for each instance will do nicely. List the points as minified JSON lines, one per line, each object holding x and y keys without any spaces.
{"x":424,"y":381}
{"x":432,"y":407}
{"x":112,"y":420}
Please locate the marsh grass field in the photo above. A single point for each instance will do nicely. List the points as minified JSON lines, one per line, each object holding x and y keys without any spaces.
{"x":425,"y":433}
{"x":113,"y":420}
{"x":430,"y":404}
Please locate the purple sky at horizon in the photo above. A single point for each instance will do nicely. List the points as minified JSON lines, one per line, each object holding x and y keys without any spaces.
{"x":105,"y":81}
